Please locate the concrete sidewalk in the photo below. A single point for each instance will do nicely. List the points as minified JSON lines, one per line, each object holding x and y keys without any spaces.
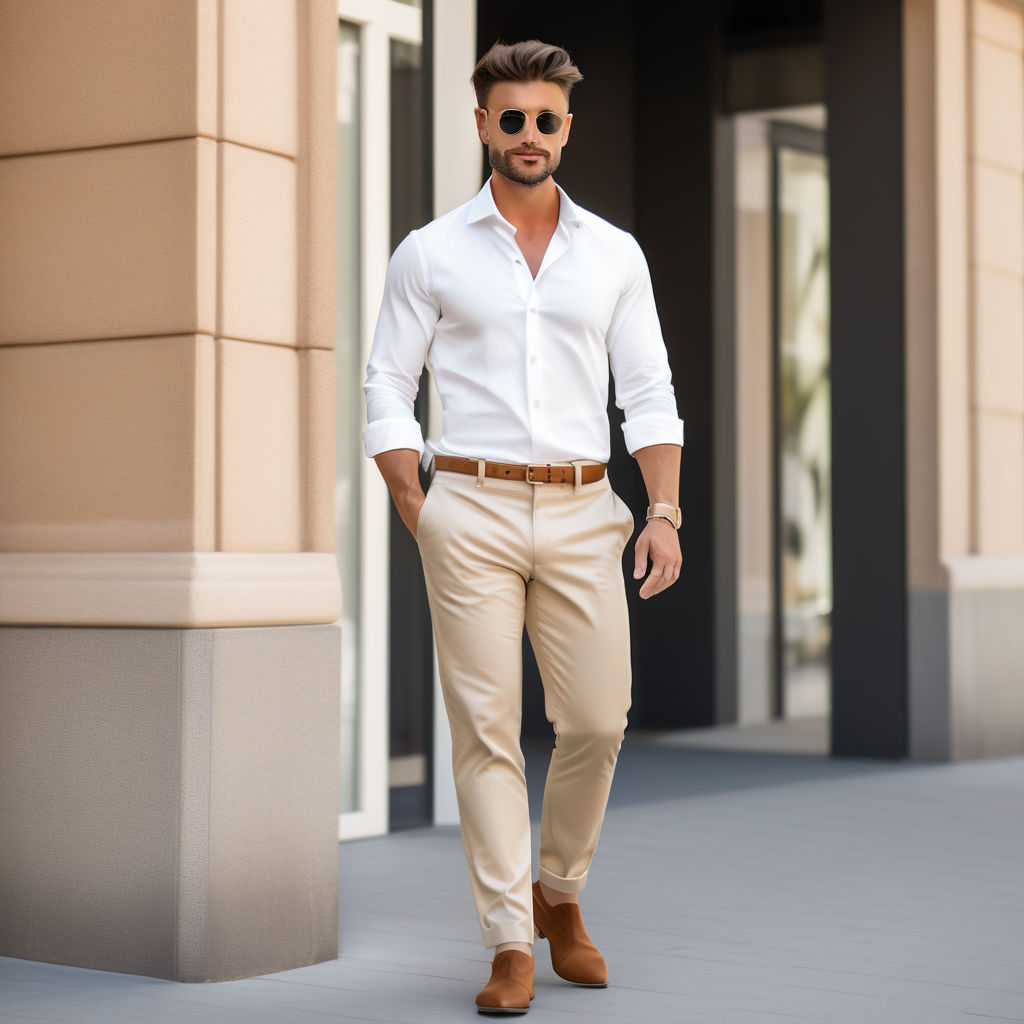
{"x":729,"y":885}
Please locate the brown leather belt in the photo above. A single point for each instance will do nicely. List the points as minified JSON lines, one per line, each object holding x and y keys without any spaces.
{"x":532,"y":472}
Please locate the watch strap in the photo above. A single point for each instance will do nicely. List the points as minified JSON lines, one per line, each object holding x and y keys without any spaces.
{"x":662,"y":510}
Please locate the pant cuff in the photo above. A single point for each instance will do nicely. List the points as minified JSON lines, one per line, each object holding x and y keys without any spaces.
{"x":560,"y":884}
{"x":507,"y":933}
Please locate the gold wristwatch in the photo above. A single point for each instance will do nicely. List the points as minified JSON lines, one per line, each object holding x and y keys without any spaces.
{"x":662,"y":510}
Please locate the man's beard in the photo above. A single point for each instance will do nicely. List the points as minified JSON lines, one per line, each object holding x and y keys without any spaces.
{"x":504,"y":164}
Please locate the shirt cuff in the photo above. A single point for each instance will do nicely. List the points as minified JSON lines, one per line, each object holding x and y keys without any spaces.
{"x":392,"y":432}
{"x":640,"y":431}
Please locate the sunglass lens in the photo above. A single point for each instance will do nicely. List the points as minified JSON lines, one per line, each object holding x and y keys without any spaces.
{"x":511,"y":121}
{"x":548,"y":122}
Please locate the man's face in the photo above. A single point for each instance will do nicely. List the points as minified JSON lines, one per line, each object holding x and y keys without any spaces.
{"x":530,"y":156}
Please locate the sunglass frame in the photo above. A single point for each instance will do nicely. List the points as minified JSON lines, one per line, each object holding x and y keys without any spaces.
{"x":525,"y":117}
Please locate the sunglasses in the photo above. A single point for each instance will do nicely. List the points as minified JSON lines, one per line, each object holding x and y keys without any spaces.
{"x":512,"y":122}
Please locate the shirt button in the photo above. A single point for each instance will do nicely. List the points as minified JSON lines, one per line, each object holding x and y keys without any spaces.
{"x":536,"y":403}
{"x":533,"y":359}
{"x":533,"y":309}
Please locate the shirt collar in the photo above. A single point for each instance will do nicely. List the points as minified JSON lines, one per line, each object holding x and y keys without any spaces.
{"x":482,"y":206}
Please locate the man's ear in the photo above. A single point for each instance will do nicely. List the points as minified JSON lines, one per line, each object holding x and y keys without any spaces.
{"x":481,"y":124}
{"x":565,"y":128}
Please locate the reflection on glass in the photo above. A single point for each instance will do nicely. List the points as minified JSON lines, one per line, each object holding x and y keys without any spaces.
{"x":348,"y":364}
{"x":409,"y":205}
{"x":411,"y":662}
{"x":804,"y":440}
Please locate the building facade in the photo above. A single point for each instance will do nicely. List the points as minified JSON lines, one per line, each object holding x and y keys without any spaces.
{"x":215,"y":650}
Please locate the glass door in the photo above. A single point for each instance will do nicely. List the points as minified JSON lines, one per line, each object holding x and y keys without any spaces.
{"x":411,"y":690}
{"x":802,"y":412}
{"x":348,"y":356}
{"x":378,"y":50}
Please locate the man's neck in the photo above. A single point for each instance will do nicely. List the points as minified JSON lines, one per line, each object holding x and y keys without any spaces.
{"x":529,"y":208}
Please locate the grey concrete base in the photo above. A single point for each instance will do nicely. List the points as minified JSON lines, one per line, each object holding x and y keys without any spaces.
{"x":929,"y":706}
{"x":987,"y":673}
{"x":967,"y":674}
{"x":169,"y":798}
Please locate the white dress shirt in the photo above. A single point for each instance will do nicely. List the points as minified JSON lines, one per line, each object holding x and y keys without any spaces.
{"x":520,"y":363}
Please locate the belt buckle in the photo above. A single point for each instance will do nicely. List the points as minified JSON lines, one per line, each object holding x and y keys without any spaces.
{"x":544,"y":466}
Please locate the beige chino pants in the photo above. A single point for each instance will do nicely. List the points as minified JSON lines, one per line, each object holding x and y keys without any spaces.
{"x":497,"y":553}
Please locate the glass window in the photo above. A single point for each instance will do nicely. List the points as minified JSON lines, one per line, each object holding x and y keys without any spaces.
{"x":805,"y":444}
{"x":411,"y":651}
{"x":410,"y":204}
{"x":348,"y":366}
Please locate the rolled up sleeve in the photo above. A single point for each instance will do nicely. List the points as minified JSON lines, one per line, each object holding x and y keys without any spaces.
{"x":639,"y":361}
{"x":405,"y":327}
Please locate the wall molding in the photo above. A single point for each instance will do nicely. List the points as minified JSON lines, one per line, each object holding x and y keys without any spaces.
{"x":978,"y":572}
{"x":168,"y":589}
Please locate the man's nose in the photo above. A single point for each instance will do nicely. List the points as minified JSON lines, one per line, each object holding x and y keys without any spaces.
{"x":530,"y":134}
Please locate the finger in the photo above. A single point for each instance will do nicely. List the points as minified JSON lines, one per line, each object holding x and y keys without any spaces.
{"x":664,"y":573}
{"x":671,"y":575}
{"x":664,"y":579}
{"x":652,"y":584}
{"x":641,"y":548}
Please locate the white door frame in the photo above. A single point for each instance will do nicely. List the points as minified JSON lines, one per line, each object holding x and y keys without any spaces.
{"x":379,"y":21}
{"x":457,"y":172}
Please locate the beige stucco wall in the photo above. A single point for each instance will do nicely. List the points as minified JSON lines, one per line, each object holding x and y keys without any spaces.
{"x":995,"y":58}
{"x":964,"y":189}
{"x":965,"y":282}
{"x":167,"y":204}
{"x":167,"y":445}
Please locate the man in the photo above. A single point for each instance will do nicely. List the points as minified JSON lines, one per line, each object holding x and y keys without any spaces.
{"x":519,"y":302}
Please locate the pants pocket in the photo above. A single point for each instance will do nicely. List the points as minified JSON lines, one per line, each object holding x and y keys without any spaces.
{"x":625,"y":518}
{"x":429,"y":500}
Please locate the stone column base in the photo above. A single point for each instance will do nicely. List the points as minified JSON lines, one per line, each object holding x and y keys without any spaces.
{"x":967,"y":663}
{"x":169,"y":798}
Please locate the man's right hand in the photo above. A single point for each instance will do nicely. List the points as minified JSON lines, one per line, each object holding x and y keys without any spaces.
{"x":399,"y":467}
{"x":410,"y":510}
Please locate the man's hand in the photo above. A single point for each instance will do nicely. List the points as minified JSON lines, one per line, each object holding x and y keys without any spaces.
{"x":659,"y":540}
{"x":409,"y":509}
{"x":659,"y":464}
{"x":398,"y":466}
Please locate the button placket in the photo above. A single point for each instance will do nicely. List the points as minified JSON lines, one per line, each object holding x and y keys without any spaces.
{"x":527,"y":289}
{"x":557,"y":247}
{"x":532,"y":330}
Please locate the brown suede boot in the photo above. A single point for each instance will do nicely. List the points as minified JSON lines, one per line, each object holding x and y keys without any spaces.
{"x":510,"y":988}
{"x":574,"y":956}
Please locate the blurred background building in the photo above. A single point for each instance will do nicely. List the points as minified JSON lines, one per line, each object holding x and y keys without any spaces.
{"x":197,"y":204}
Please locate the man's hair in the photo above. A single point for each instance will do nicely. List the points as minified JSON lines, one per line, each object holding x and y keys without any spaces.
{"x":528,"y":61}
